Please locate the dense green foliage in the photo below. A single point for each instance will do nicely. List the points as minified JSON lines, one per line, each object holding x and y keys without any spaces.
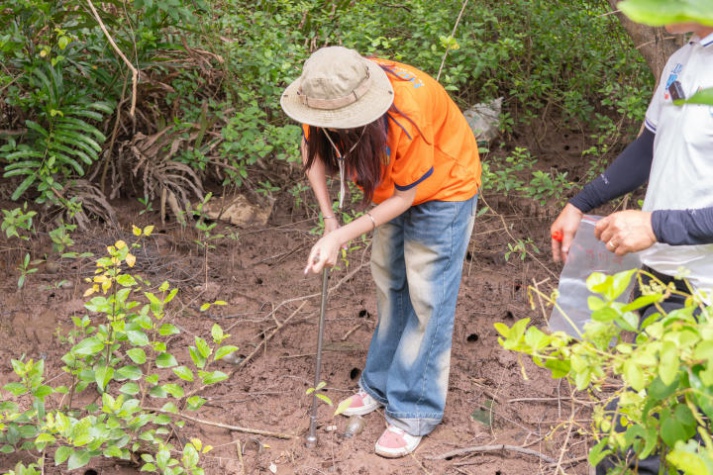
{"x":205,"y":103}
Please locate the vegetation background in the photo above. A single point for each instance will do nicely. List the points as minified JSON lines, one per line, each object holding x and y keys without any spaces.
{"x":166,"y":103}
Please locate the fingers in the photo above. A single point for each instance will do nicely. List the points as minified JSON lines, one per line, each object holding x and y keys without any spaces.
{"x":323,"y":254}
{"x":626,"y":231}
{"x":563,"y":230}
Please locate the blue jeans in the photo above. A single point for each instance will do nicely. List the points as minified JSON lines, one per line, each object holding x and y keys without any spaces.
{"x":416,"y":262}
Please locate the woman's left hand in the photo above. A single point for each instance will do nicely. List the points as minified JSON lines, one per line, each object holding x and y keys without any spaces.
{"x":324,"y":253}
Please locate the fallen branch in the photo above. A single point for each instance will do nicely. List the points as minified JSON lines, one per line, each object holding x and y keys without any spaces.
{"x":134,"y":71}
{"x":277,"y":435}
{"x":493,"y":448}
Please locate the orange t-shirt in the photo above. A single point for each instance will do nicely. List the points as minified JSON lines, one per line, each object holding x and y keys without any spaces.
{"x":430,"y":143}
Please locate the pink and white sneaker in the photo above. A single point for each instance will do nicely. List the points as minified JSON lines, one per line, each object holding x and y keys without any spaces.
{"x":395,"y":442}
{"x":360,"y":405}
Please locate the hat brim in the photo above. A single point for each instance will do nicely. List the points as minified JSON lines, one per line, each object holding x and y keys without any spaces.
{"x":372,"y":105}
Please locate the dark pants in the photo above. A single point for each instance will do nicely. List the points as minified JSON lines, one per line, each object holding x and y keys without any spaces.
{"x":652,"y":464}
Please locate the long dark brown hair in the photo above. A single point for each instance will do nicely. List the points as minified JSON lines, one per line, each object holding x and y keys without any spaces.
{"x":363,"y":151}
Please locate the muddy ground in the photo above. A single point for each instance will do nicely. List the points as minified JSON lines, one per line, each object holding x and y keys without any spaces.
{"x":497,"y":421}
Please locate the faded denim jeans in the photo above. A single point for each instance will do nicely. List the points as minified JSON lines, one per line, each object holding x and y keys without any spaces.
{"x":417,"y":263}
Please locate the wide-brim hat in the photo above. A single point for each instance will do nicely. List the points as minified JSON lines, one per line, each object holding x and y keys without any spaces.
{"x":338,"y":89}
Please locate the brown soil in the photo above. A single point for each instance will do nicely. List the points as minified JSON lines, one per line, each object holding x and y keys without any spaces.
{"x":497,"y":421}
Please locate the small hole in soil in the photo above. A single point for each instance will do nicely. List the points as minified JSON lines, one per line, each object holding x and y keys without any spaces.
{"x":469,"y":256}
{"x":509,"y":315}
{"x":91,"y":471}
{"x":354,"y":373}
{"x":566,"y":147}
{"x":258,"y":281}
{"x":363,"y":313}
{"x":472,"y":338}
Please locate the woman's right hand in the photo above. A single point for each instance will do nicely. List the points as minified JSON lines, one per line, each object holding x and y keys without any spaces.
{"x":563,"y":230}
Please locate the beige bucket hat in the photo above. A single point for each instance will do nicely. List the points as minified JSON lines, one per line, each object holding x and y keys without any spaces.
{"x":338,"y":89}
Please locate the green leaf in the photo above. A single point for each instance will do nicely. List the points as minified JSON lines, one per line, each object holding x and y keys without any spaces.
{"x":88,"y":347}
{"x":166,"y":360}
{"x":677,"y":425}
{"x":126,"y":280}
{"x":224,"y":351}
{"x":132,"y":373}
{"x":37,"y":128}
{"x":78,"y":459}
{"x":198,"y":360}
{"x":606,"y":315}
{"x":619,"y":283}
{"x":599,"y":452}
{"x":703,"y":97}
{"x":167,"y":330}
{"x":660,"y":391}
{"x":158,"y":391}
{"x":184,"y":373}
{"x":209,"y":378}
{"x":137,"y":338}
{"x":559,"y":368}
{"x":130,"y":389}
{"x":42,"y":391}
{"x":137,"y":355}
{"x":664,"y":12}
{"x":217,"y":333}
{"x":194,"y":403}
{"x":689,"y":463}
{"x":669,"y":365}
{"x":190,"y":456}
{"x":641,"y":302}
{"x":174,"y":390}
{"x":62,"y":454}
{"x":17,"y":389}
{"x":202,"y":347}
{"x":102,"y":375}
{"x":634,"y":375}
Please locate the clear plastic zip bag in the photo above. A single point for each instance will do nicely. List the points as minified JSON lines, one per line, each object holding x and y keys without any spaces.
{"x":586,"y":255}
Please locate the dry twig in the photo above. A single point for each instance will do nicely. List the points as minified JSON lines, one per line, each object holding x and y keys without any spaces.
{"x":493,"y":448}
{"x":134,"y":71}
{"x":247,"y":430}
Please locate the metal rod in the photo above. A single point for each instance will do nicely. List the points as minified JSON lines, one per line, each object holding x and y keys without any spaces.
{"x":311,"y":440}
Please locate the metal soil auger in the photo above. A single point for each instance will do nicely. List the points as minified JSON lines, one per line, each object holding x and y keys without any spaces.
{"x":311,"y":440}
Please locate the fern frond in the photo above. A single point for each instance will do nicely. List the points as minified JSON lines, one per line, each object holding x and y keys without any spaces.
{"x":62,"y":158}
{"x":25,"y":153}
{"x":26,"y":183}
{"x":37,"y":128}
{"x":73,"y":151}
{"x":78,"y":140}
{"x":72,"y":123}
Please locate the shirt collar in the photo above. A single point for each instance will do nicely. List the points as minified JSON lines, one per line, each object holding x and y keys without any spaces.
{"x":705,"y":41}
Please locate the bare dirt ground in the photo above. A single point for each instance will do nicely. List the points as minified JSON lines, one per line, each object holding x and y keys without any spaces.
{"x":497,"y":422}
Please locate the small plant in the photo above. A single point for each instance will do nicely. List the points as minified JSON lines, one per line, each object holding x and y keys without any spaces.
{"x":666,"y":395}
{"x":27,"y":267}
{"x":317,"y":392}
{"x":119,"y":351}
{"x":544,"y":186}
{"x":147,"y":204}
{"x":267,"y":189}
{"x":18,"y":222}
{"x":520,"y":249}
{"x":61,"y":237}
